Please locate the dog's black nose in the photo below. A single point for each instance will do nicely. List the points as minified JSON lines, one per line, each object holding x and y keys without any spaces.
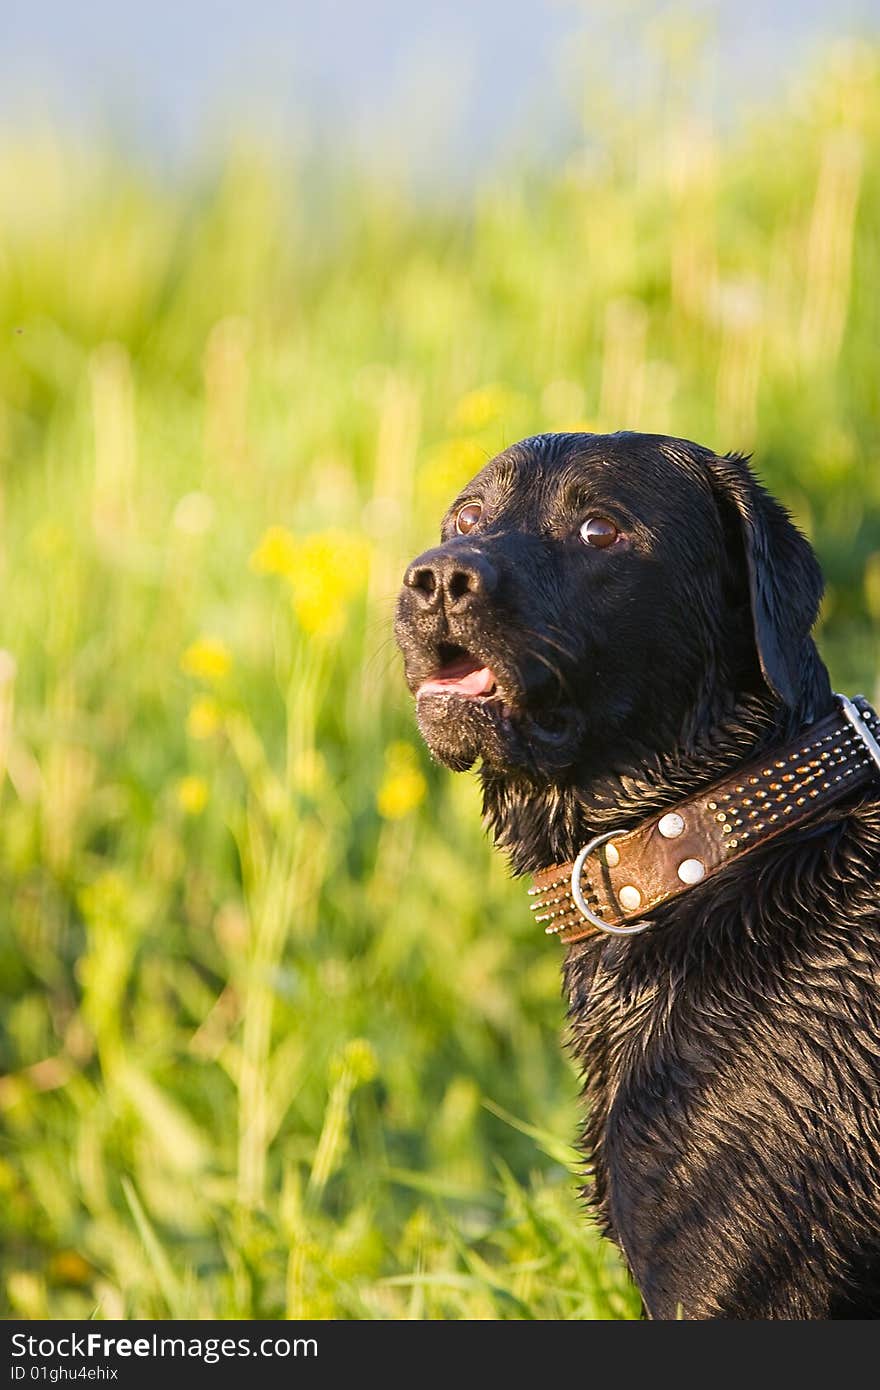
{"x":450,"y":578}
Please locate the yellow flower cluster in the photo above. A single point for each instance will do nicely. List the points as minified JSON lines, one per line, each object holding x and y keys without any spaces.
{"x":447,"y":468}
{"x":276,"y":552}
{"x":359,"y":1059}
{"x":403,"y":786}
{"x":208,"y":659}
{"x":205,"y":717}
{"x":484,"y":406}
{"x":192,"y":795}
{"x":69,"y":1267}
{"x":324,"y":571}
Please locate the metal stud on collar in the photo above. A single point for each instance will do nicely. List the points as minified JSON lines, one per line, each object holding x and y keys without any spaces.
{"x":580,"y":900}
{"x":853,"y":717}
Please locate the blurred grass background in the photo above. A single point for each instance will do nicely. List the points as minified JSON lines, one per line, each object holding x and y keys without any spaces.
{"x":278,"y":1038}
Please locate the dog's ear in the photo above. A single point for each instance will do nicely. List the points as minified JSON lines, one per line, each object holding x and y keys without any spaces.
{"x":784,"y":579}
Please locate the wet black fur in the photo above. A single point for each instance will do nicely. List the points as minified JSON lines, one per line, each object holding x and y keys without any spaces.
{"x":731,"y":1053}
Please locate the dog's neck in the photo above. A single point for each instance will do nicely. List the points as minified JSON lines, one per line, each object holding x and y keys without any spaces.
{"x":537,"y":825}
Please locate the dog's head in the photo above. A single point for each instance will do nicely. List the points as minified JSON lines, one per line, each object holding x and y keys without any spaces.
{"x":596,"y":592}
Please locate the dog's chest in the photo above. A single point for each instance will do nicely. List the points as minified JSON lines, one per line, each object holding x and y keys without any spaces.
{"x":731,"y":1069}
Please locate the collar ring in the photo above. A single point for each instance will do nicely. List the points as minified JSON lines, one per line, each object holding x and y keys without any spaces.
{"x":578,"y":893}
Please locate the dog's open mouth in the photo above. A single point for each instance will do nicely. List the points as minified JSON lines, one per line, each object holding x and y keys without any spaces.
{"x":461,"y":674}
{"x":464,"y":710}
{"x":476,"y":683}
{"x":469,"y":708}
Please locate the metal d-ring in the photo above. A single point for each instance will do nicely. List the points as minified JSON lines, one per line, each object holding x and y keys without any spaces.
{"x":578,"y":894}
{"x":853,"y":716}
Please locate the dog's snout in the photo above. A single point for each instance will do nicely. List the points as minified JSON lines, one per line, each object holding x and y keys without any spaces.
{"x":450,"y":578}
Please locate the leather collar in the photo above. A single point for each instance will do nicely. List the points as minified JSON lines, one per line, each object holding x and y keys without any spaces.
{"x":618,"y":877}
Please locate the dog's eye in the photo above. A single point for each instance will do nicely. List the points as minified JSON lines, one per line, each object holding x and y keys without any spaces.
{"x":467,"y":517}
{"x":598,"y":531}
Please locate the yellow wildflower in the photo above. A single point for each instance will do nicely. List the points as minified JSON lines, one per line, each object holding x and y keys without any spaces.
{"x":360,"y":1057}
{"x":403,"y":786}
{"x":204,"y":718}
{"x":330,"y":568}
{"x":276,"y":552}
{"x":355,"y":1063}
{"x":69,"y":1267}
{"x":324,"y":571}
{"x":207,"y":659}
{"x":192,"y":795}
{"x":447,"y":468}
{"x":484,"y":406}
{"x":310,"y":774}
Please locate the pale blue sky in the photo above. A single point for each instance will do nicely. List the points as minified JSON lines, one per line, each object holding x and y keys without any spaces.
{"x":441,"y":80}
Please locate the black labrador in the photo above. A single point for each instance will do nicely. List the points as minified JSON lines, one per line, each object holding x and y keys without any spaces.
{"x":611,"y":624}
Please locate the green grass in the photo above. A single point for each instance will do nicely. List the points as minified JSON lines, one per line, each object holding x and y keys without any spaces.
{"x":278,"y":1036}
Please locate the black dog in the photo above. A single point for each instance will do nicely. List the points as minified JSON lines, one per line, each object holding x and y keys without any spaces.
{"x":612,"y":624}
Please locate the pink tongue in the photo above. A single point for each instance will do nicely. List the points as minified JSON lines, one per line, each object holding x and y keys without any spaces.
{"x":467,"y":683}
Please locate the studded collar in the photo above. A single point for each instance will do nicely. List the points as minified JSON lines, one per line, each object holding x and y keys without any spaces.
{"x":619,"y":877}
